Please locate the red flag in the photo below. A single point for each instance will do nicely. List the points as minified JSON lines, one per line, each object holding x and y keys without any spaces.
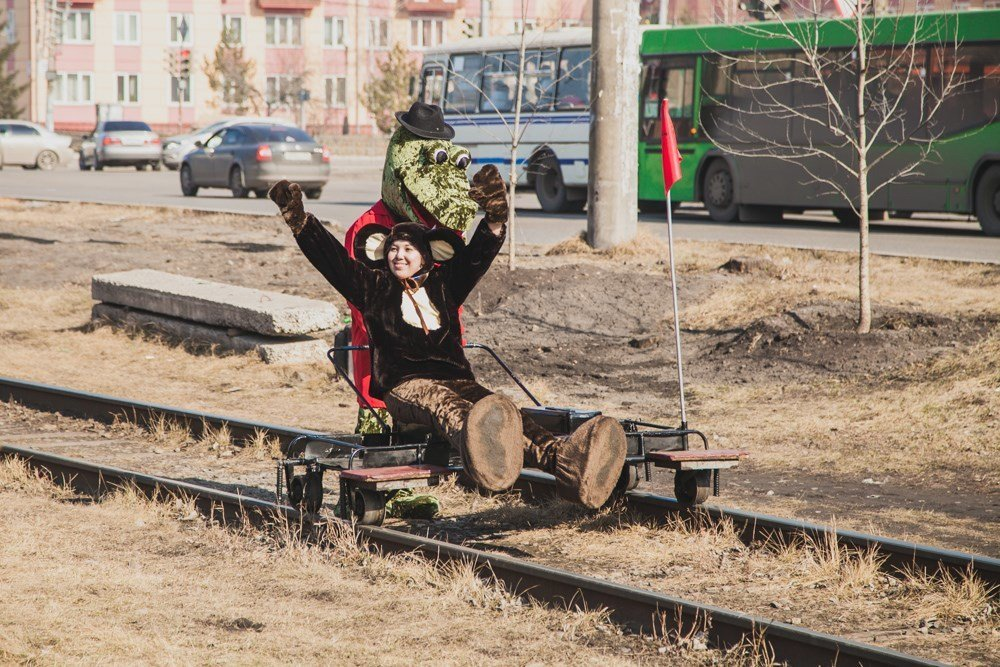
{"x":668,"y":141}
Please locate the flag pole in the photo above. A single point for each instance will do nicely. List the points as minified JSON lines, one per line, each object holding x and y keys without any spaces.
{"x":677,"y":319}
{"x":671,"y":174}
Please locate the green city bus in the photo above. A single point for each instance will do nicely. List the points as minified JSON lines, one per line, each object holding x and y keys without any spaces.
{"x":699,"y":68}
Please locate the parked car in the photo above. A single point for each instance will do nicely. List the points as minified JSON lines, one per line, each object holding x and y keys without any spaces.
{"x":251,"y":157}
{"x":177,"y":146}
{"x":120,"y":143}
{"x":32,"y":146}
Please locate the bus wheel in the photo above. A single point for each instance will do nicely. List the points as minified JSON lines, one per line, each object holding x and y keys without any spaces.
{"x":988,"y":201}
{"x":652,"y":206}
{"x":719,"y":192}
{"x":552,"y":192}
{"x":848,"y":218}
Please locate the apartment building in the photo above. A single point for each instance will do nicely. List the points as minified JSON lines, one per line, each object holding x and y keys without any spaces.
{"x":114,"y":52}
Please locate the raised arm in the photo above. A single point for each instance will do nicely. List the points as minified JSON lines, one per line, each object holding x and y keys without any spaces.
{"x":472,"y":262}
{"x":348,"y":276}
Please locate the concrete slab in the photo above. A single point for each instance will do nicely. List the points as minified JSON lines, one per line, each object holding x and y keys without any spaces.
{"x":298,"y":350}
{"x":212,"y":303}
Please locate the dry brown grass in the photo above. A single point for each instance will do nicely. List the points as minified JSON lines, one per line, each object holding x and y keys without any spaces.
{"x":644,"y":245}
{"x":127,"y":579}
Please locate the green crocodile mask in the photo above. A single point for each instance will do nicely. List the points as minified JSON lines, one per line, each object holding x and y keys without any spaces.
{"x":424,"y":181}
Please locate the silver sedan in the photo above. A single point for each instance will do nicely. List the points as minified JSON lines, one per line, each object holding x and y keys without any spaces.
{"x":120,"y":143}
{"x":32,"y":146}
{"x":251,"y":157}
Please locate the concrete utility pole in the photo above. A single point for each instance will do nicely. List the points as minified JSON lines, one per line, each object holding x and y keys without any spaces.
{"x":612,"y":205}
{"x":484,"y":17}
{"x":663,"y":12}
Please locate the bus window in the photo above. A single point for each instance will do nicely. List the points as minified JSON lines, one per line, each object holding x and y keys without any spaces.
{"x":539,"y":80}
{"x":464,"y":78}
{"x":674,"y":79}
{"x":573,"y":87}
{"x":975,"y":97}
{"x":499,"y":82}
{"x":432,"y":85}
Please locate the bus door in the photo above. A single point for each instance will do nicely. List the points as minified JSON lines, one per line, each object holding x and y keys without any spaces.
{"x":674,"y":78}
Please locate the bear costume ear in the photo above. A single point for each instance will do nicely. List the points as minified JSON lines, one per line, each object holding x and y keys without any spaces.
{"x":444,"y":244}
{"x":369,"y":245}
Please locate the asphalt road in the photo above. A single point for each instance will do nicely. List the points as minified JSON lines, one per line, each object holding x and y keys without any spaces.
{"x":355,"y":182}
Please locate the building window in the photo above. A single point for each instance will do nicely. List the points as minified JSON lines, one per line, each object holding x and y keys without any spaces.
{"x":334,"y":31}
{"x":529,"y":24}
{"x":282,"y":89}
{"x":284,"y":31}
{"x":72,"y":88}
{"x":181,"y":29}
{"x":128,"y":88}
{"x":180,"y":89}
{"x":336,"y":91}
{"x":378,"y":33}
{"x":78,"y":26}
{"x":569,"y":23}
{"x":233,"y":27}
{"x":127,"y":28}
{"x":426,"y":32}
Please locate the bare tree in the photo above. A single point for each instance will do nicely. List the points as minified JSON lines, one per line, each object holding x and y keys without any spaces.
{"x":231,"y":75}
{"x":390,"y":91}
{"x":864,"y":116}
{"x":506,"y":93}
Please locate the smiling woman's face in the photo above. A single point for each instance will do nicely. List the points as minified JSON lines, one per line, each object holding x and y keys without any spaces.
{"x":404,"y":259}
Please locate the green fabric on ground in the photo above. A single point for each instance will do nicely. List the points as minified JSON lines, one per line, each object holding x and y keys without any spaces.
{"x":408,"y":505}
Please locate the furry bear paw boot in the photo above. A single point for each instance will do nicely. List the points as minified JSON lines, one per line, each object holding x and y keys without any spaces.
{"x":492,"y":439}
{"x":589,"y":462}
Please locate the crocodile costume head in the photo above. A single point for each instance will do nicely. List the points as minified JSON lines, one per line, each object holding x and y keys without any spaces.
{"x":424,"y":181}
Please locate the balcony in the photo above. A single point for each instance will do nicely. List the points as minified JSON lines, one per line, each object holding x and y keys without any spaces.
{"x":430,"y":6}
{"x":288,"y":5}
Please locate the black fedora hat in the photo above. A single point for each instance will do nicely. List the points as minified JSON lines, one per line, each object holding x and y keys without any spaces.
{"x":426,"y":121}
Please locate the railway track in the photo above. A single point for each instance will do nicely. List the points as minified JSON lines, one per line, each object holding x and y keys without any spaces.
{"x":751,"y":526}
{"x":636,"y":609}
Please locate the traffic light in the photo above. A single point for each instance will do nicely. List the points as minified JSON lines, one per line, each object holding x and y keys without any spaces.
{"x":184,"y":63}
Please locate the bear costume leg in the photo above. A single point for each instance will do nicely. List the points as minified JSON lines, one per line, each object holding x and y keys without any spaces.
{"x":487,"y":428}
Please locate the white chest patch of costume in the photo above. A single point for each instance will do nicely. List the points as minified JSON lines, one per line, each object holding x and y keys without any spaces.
{"x":432,"y":318}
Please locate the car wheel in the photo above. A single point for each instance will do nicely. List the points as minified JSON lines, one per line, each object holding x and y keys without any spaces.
{"x":552,"y":192}
{"x":156,"y":166}
{"x":47,"y":160}
{"x":97,"y":163}
{"x":718,"y":192}
{"x":987,"y":200}
{"x":83,"y":164}
{"x":311,"y":193}
{"x":236,"y":185}
{"x":188,"y":188}
{"x":141,"y":166}
{"x":260,"y":193}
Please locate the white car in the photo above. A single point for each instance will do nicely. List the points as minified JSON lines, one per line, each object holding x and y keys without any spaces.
{"x":31,"y":146}
{"x":176,"y":147}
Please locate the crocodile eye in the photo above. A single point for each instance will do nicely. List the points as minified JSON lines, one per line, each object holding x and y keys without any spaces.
{"x":440,"y":156}
{"x":462,"y":161}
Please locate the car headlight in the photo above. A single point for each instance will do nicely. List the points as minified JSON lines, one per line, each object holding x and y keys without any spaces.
{"x":170,"y":145}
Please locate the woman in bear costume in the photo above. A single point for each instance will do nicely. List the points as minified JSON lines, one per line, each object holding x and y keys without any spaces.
{"x":408,"y":289}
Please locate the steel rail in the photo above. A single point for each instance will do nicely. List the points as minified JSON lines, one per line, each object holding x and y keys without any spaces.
{"x":636,"y":609}
{"x":751,"y":526}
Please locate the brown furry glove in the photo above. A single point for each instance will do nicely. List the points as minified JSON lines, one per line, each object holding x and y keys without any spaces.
{"x":488,"y":190}
{"x":288,"y":197}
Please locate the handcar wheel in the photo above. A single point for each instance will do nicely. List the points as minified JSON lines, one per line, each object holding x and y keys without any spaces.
{"x":369,"y":507}
{"x":628,"y":480}
{"x":692,"y":487}
{"x":47,"y":160}
{"x":987,"y":199}
{"x":312,"y":498}
{"x":188,"y":188}
{"x":719,"y":192}
{"x":296,"y":490}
